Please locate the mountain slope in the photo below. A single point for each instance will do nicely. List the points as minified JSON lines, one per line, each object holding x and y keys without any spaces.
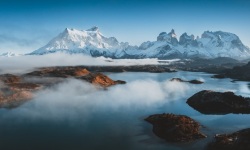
{"x":210,"y":45}
{"x":92,"y":42}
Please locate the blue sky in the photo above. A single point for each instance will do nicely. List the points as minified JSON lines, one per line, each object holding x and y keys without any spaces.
{"x":26,"y":25}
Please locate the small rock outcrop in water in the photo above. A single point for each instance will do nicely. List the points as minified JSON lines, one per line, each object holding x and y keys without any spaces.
{"x":236,"y":141}
{"x":191,"y":81}
{"x":175,"y":128}
{"x":211,"y":102}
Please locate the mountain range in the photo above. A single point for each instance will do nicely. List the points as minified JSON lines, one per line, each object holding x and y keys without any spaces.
{"x":167,"y":46}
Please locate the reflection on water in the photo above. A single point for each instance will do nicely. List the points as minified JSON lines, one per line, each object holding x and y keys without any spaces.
{"x":75,"y":116}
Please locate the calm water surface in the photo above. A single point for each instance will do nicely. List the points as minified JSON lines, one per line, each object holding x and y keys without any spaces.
{"x":74,"y":117}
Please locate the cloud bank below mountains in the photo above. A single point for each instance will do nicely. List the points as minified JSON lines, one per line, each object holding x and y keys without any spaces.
{"x":22,"y":64}
{"x":73,"y":98}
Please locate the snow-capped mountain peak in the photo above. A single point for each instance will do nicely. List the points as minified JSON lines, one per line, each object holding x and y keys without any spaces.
{"x":93,"y":42}
{"x":170,"y":37}
{"x":90,"y":41}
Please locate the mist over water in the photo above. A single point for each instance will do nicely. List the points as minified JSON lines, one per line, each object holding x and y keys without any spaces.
{"x":23,"y":64}
{"x":77,"y":115}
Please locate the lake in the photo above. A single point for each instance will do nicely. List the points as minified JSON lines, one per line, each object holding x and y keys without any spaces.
{"x":75,"y":115}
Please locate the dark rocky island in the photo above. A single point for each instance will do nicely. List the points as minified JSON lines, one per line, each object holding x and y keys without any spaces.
{"x":239,"y":140}
{"x":211,"y":102}
{"x":175,"y":128}
{"x":191,"y":81}
{"x":241,"y":73}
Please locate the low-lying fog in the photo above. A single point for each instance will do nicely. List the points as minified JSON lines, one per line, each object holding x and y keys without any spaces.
{"x":21,"y":64}
{"x":73,"y":97}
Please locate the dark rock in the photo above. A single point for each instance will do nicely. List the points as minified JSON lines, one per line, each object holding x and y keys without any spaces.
{"x":186,"y":40}
{"x":191,"y":81}
{"x":219,"y":76}
{"x":238,"y":72}
{"x":175,"y":128}
{"x":177,"y":79}
{"x":211,"y":102}
{"x":120,"y":82}
{"x":195,"y":82}
{"x":239,"y":140}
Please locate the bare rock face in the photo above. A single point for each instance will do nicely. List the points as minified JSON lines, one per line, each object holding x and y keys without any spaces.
{"x":191,"y":81}
{"x":100,"y":79}
{"x":239,"y":140}
{"x":211,"y":102}
{"x":175,"y":128}
{"x":81,"y":72}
